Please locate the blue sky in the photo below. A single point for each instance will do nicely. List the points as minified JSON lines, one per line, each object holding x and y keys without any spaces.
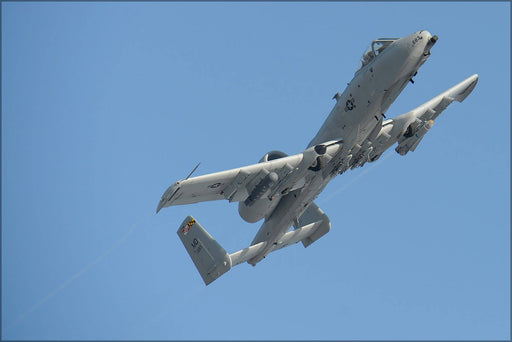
{"x":104,"y":105}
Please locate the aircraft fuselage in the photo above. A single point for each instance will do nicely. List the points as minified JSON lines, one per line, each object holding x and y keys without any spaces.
{"x":281,"y":188}
{"x":357,"y":115}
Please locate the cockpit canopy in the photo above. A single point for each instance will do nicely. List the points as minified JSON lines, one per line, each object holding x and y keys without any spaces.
{"x":372,"y":51}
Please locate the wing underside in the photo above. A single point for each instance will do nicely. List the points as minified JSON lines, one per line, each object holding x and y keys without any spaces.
{"x":233,"y":185}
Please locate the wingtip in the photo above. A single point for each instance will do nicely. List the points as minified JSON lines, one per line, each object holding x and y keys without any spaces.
{"x":474,"y":78}
{"x":462,"y":90}
{"x":160,"y":206}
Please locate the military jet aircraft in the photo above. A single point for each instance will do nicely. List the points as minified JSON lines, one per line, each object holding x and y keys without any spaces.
{"x":281,"y":189}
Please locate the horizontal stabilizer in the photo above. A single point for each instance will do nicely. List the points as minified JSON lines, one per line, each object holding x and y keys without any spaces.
{"x":247,"y":253}
{"x":297,"y":235}
{"x":288,"y":239}
{"x":210,"y":258}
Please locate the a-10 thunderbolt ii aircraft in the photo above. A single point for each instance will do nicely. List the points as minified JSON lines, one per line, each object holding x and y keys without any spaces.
{"x":281,"y":188}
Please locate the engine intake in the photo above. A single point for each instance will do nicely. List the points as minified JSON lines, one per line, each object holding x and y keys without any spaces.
{"x":272,"y":155}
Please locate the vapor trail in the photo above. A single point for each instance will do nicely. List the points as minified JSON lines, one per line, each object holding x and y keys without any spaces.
{"x":77,"y":275}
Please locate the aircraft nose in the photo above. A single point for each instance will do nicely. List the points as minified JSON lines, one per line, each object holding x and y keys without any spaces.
{"x":429,"y":39}
{"x":425,"y":34}
{"x":420,"y":43}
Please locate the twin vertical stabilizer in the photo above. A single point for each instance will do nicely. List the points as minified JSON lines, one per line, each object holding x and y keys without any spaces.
{"x":212,"y":260}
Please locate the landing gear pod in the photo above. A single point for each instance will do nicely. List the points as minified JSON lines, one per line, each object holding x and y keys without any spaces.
{"x":262,"y":187}
{"x":256,"y":206}
{"x":412,"y":141}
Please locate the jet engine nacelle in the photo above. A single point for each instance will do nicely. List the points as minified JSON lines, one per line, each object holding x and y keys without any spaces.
{"x":258,"y":204}
{"x":413,"y":136}
{"x":272,"y":155}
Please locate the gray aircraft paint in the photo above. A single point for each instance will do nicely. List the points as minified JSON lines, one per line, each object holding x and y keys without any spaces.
{"x":281,"y":189}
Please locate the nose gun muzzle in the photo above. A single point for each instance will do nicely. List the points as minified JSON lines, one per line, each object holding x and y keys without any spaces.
{"x":429,"y":45}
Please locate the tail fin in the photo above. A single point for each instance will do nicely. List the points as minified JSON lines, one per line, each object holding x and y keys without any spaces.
{"x":210,"y":258}
{"x":314,"y":214}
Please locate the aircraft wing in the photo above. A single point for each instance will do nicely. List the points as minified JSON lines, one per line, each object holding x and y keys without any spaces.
{"x":236,"y":184}
{"x":422,"y":118}
{"x":433,"y":108}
